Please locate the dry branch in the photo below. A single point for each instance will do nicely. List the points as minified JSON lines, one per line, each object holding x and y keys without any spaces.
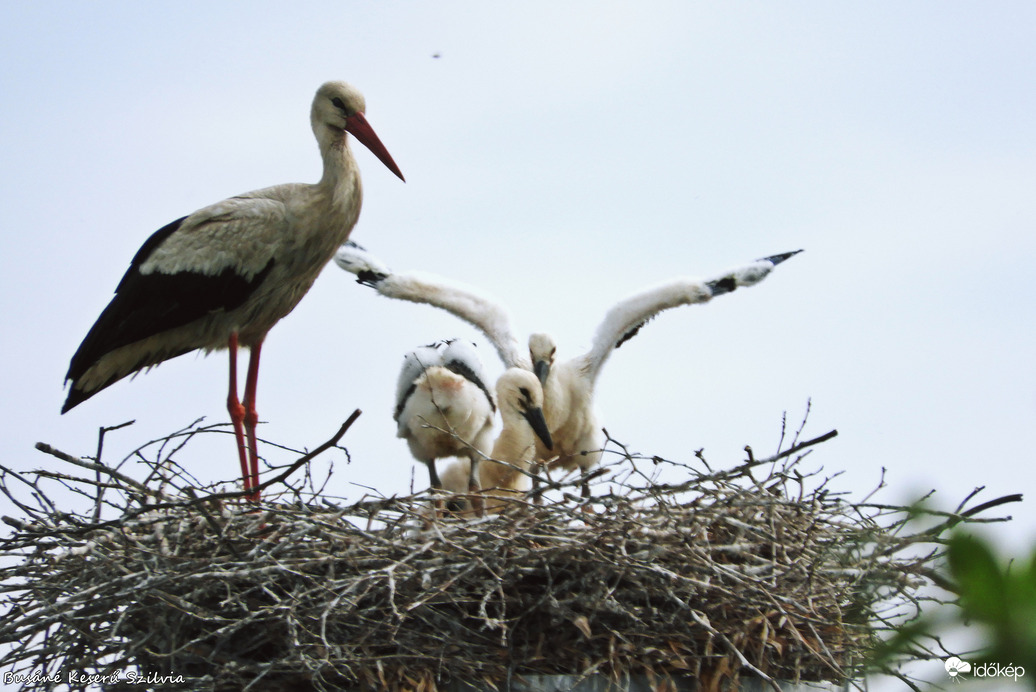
{"x":719,"y":574}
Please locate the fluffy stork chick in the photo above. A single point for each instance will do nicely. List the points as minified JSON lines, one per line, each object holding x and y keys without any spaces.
{"x":568,"y":395}
{"x":443,"y":408}
{"x":223,"y":276}
{"x":568,"y":386}
{"x":520,"y":399}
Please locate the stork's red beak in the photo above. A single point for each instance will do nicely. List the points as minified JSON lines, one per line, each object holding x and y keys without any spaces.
{"x":359,"y":128}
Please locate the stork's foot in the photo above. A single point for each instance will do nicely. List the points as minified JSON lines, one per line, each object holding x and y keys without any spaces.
{"x":584,"y":492}
{"x":537,"y":469}
{"x":478,"y":503}
{"x":237,"y":417}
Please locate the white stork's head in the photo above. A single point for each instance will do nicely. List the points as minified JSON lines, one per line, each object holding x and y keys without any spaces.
{"x":519,"y":395}
{"x":339,"y":108}
{"x":542,"y":351}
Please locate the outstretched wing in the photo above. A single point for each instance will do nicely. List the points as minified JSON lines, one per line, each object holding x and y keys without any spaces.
{"x":625,"y":319}
{"x":369,"y":270}
{"x":479,"y":311}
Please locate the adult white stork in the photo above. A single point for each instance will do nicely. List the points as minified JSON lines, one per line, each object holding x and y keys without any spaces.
{"x":568,"y":387}
{"x":519,"y":396}
{"x":443,"y":408}
{"x":224,"y":275}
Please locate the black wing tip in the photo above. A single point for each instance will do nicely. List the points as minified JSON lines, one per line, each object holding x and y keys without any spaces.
{"x":74,"y":398}
{"x":777,"y":259}
{"x":366,"y":276}
{"x":369,"y":277}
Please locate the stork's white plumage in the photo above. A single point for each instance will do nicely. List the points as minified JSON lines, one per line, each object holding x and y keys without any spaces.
{"x":568,"y":386}
{"x":520,"y":399}
{"x":443,"y":408}
{"x":482,"y":312}
{"x":224,"y":275}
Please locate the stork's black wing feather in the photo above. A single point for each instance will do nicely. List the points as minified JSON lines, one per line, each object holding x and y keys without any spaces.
{"x":403,"y":399}
{"x":148,"y":304}
{"x":149,"y":246}
{"x":461,"y":368}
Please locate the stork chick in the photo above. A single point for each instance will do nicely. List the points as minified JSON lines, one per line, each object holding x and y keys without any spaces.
{"x":443,"y":408}
{"x":520,"y":399}
{"x":568,"y":386}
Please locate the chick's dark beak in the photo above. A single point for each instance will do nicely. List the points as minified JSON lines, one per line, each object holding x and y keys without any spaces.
{"x":539,"y":426}
{"x":542,"y":370}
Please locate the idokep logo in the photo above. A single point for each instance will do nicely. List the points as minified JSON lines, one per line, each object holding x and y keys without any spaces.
{"x":956,"y":667}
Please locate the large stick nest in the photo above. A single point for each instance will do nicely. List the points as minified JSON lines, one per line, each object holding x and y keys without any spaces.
{"x":761,"y":569}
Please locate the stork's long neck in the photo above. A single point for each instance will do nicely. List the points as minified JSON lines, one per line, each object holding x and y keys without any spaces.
{"x":340,"y":184}
{"x":515,"y":442}
{"x":339,"y":165}
{"x":513,"y":447}
{"x":556,"y":403}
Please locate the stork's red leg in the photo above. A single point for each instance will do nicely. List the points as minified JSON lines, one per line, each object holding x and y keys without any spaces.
{"x":237,"y":412}
{"x":251,"y":415}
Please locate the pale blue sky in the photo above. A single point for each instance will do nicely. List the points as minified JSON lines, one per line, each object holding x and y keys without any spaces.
{"x":559,"y":158}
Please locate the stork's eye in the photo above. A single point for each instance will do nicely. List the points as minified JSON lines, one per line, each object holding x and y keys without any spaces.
{"x":525,"y":393}
{"x":338,"y":103}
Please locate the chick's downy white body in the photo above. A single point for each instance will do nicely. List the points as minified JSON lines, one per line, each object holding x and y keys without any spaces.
{"x":443,"y":408}
{"x":568,"y":385}
{"x":504,"y":474}
{"x":568,"y":404}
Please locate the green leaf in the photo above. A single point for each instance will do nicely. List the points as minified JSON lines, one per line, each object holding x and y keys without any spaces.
{"x":983,"y":592}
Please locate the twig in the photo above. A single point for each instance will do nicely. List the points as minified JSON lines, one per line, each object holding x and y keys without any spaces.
{"x":100,"y":448}
{"x":785,"y":578}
